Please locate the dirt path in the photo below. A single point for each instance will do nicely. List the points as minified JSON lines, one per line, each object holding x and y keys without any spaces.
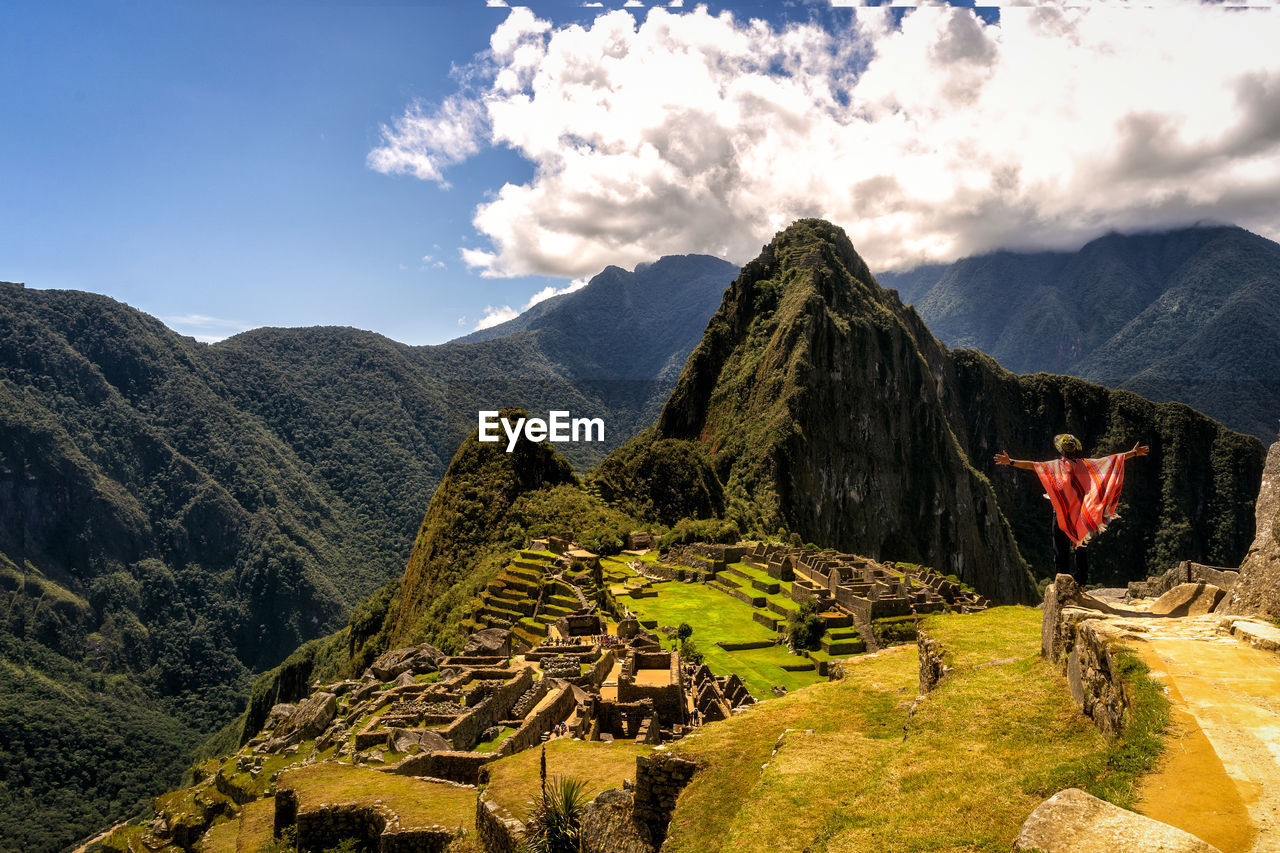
{"x":1220,"y":779}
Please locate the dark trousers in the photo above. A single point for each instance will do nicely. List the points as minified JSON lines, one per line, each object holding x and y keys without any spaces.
{"x":1064,"y":554}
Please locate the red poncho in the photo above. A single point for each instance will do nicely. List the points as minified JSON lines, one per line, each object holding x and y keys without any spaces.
{"x":1084,"y":493}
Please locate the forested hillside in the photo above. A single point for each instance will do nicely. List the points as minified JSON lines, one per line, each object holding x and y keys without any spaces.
{"x":175,"y":516}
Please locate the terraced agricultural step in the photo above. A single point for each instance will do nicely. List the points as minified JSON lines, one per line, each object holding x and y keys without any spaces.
{"x":531,"y":573}
{"x":533,"y":627}
{"x":520,"y":585}
{"x":782,"y":609}
{"x":773,"y":623}
{"x":498,"y":613}
{"x":538,"y":556}
{"x":523,"y":606}
{"x":528,"y":636}
{"x":737,"y":573}
{"x":806,"y":666}
{"x":770,"y":587}
{"x":753,"y":600}
{"x":844,"y":634}
{"x":844,"y":647}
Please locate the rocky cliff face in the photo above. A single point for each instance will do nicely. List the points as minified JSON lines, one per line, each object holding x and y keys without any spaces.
{"x":813,"y":390}
{"x":1258,"y":589}
{"x":1191,"y":499}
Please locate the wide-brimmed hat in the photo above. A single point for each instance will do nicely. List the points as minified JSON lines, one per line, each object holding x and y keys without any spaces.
{"x":1067,"y":444}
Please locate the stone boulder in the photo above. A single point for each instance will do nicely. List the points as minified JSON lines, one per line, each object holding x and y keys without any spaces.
{"x":1073,"y":821}
{"x":607,"y":826}
{"x":491,"y":642}
{"x":310,"y":719}
{"x":278,"y":714}
{"x":417,"y":660}
{"x":1257,"y":590}
{"x":1188,"y":599}
{"x":416,"y":740}
{"x":1057,"y":627}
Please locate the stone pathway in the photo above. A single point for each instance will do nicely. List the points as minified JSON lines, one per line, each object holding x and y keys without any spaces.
{"x":1220,"y":777}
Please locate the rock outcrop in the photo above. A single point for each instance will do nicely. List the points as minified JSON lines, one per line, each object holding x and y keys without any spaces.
{"x":417,"y":660}
{"x":1073,"y":821}
{"x":1258,"y":589}
{"x":1187,"y":599}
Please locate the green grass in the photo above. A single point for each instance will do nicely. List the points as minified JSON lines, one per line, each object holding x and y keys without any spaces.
{"x":717,"y":617}
{"x":514,"y":781}
{"x":857,"y":772}
{"x":492,"y":744}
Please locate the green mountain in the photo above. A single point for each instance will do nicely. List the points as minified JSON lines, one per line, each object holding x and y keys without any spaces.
{"x":1186,"y":315}
{"x":827,"y":409}
{"x":175,"y":516}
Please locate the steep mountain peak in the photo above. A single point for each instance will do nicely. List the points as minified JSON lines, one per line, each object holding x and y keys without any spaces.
{"x":823,"y":417}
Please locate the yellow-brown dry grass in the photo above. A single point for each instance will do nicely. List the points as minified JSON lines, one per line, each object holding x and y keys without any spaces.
{"x":862,"y":769}
{"x":514,"y":781}
{"x":257,"y":825}
{"x":417,"y":802}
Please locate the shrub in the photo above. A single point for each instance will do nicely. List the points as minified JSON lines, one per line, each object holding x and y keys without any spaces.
{"x":554,"y":823}
{"x":689,"y":652}
{"x":805,"y":628}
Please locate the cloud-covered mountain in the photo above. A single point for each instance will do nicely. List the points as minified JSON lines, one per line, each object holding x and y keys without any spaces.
{"x":1187,"y":315}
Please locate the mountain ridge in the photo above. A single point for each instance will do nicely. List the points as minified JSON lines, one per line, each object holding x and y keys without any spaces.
{"x":1161,"y":313}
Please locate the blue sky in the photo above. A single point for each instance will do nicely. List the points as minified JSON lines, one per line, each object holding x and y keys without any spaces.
{"x":414,"y":168}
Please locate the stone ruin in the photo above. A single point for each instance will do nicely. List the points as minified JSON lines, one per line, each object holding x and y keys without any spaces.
{"x":859,"y":586}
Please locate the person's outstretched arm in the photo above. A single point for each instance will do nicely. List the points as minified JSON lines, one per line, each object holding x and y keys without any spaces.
{"x":1002,"y":458}
{"x":1139,"y":449}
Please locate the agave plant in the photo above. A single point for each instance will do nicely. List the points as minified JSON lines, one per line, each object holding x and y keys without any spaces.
{"x":554,"y":824}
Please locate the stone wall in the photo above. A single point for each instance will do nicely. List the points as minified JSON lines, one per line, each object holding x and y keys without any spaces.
{"x":1079,"y":638}
{"x":530,"y":733}
{"x":668,"y":700}
{"x":659,"y":780}
{"x":933,"y":667}
{"x":607,"y":825}
{"x":499,"y":833}
{"x":463,"y":767}
{"x":1185,"y":572}
{"x":466,"y":732}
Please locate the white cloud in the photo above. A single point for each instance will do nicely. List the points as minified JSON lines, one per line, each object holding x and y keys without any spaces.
{"x":493,"y":315}
{"x":203,"y":327}
{"x":928,"y":139}
{"x":550,"y":291}
{"x":424,"y":142}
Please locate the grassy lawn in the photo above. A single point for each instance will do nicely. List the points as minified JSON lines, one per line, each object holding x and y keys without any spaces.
{"x":857,"y":773}
{"x":514,"y":781}
{"x":717,"y":617}
{"x":417,"y":802}
{"x":714,"y":616}
{"x":493,"y":743}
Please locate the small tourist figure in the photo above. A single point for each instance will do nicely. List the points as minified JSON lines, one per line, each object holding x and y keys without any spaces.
{"x":1084,"y":494}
